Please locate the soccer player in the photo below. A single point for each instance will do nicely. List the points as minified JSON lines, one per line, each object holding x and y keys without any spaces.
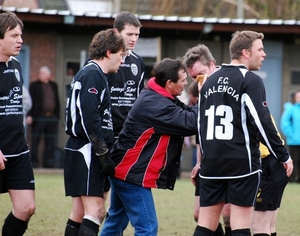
{"x":200,"y":61}
{"x":234,"y":118}
{"x":268,"y":198}
{"x":126,"y":85}
{"x":89,"y":125}
{"x":16,"y":174}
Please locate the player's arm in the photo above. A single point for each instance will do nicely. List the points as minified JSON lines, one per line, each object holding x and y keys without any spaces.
{"x":196,"y":168}
{"x":2,"y":160}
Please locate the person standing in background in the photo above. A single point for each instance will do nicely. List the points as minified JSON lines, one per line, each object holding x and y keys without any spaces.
{"x":290,"y":127}
{"x":16,"y":174}
{"x":269,"y":195}
{"x":126,"y":85}
{"x":43,"y":117}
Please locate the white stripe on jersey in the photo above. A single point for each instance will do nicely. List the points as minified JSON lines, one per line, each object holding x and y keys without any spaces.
{"x":76,"y":86}
{"x":250,"y":105}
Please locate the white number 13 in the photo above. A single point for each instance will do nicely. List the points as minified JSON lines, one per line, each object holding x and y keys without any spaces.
{"x":223,"y":131}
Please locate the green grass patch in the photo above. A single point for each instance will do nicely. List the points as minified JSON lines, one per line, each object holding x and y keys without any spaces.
{"x":174,"y":209}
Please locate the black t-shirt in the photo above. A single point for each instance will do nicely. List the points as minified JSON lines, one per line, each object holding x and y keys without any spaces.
{"x":12,"y":141}
{"x":125,"y":86}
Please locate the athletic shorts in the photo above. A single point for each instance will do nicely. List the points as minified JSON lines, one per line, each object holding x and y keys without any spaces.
{"x":18,"y":174}
{"x":273,"y":182}
{"x":106,"y":184}
{"x":82,"y":175}
{"x":240,"y":191}
{"x":197,"y":185}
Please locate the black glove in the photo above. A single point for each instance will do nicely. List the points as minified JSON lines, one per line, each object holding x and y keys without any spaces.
{"x":107,"y":164}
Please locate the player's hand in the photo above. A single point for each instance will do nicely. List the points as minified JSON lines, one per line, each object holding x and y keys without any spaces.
{"x":194,"y":173}
{"x":200,"y":83}
{"x":289,"y":167}
{"x":2,"y":160}
{"x":107,"y":164}
{"x":29,"y":120}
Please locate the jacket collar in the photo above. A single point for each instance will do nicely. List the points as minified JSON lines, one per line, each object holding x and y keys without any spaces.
{"x":154,"y":86}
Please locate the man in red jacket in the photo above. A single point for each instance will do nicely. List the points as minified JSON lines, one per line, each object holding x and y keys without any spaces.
{"x":147,"y":153}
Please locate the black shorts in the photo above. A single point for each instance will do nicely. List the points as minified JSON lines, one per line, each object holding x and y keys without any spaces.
{"x":272,"y":185}
{"x":18,"y":174}
{"x":82,"y":175}
{"x":197,"y":184}
{"x":239,"y":191}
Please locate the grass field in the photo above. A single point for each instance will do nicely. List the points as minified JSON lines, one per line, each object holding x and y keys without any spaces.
{"x":174,"y":209}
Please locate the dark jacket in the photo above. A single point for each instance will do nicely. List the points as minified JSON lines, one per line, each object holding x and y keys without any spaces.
{"x":149,"y":147}
{"x":37,"y":96}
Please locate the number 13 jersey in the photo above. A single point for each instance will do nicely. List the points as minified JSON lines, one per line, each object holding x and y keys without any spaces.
{"x":233,"y":119}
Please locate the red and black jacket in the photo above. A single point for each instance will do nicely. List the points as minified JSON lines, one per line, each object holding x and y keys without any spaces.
{"x":149,"y":147}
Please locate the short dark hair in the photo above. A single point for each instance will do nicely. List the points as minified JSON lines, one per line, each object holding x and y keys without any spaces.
{"x":106,"y":40}
{"x":193,"y":89}
{"x":126,"y":18}
{"x":9,"y":21}
{"x":242,"y":40}
{"x":167,"y":69}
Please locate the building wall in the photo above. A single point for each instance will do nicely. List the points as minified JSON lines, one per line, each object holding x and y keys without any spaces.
{"x":55,"y":50}
{"x":42,"y":50}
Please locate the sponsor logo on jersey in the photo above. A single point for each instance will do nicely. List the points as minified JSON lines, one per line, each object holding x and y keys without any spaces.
{"x":130,"y":82}
{"x":265,"y":104}
{"x":17,"y":89}
{"x":93,"y":90}
{"x":17,"y":74}
{"x":8,"y":71}
{"x":134,"y":69}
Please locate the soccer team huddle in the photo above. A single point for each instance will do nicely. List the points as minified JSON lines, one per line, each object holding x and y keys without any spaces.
{"x":126,"y":137}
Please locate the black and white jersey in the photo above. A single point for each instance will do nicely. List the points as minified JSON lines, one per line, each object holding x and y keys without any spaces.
{"x":88,"y":109}
{"x":12,"y":142}
{"x":125,"y":86}
{"x":233,"y":118}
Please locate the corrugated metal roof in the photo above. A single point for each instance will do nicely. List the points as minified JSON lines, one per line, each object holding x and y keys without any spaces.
{"x":90,"y":6}
{"x":156,"y":17}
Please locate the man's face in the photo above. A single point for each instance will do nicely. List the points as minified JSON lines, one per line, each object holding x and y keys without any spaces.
{"x":130,"y":35}
{"x":256,"y":55}
{"x":10,"y":45}
{"x":177,"y":88}
{"x":116,"y":59}
{"x":44,"y":76}
{"x":199,"y":69}
{"x":297,"y":97}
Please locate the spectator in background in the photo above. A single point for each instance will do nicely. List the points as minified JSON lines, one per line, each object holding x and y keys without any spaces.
{"x":290,"y":127}
{"x":43,"y":117}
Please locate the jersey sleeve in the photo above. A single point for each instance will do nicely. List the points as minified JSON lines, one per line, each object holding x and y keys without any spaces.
{"x":257,"y":108}
{"x":91,"y":97}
